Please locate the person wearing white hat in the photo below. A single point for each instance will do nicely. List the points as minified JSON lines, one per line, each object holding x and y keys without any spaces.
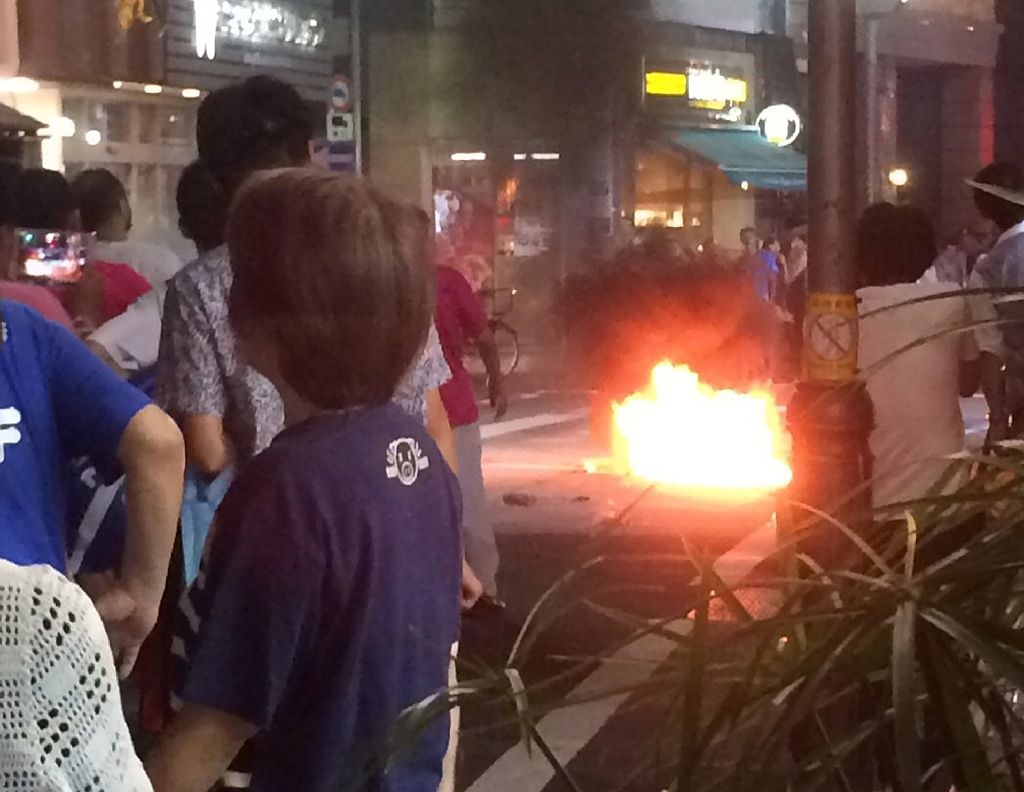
{"x":999,"y":197}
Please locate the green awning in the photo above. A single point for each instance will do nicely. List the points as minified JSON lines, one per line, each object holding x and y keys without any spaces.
{"x":744,"y":156}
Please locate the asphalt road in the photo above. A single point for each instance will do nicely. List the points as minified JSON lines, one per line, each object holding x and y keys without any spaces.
{"x":557,"y":524}
{"x":553,"y":519}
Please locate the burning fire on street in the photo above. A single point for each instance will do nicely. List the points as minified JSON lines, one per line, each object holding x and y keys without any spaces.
{"x":714,"y":444}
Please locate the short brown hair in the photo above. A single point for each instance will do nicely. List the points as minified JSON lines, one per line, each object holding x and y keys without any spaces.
{"x":334,"y":273}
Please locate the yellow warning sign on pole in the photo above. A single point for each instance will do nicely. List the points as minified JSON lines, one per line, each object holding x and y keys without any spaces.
{"x":830,"y":338}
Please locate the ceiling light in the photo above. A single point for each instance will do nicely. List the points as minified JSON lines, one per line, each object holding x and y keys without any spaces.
{"x":18,"y":85}
{"x":545,"y":155}
{"x":63,"y":127}
{"x":518,"y":157}
{"x":469,"y":156}
{"x":191,"y":93}
{"x":118,"y":85}
{"x":93,"y":137}
{"x":152,"y":89}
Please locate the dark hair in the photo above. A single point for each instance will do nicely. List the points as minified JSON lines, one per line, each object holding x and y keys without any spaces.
{"x":100,"y":196}
{"x":9,"y":173}
{"x":202,"y":206}
{"x":253,"y":125}
{"x":337,"y":282}
{"x":746,"y":233}
{"x":895,"y":244}
{"x":43,"y":199}
{"x":1008,"y":176}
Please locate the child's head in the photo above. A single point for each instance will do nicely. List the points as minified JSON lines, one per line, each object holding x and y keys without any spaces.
{"x":332,"y":296}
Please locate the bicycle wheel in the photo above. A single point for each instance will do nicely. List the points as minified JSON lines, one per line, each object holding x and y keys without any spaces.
{"x":507,"y":340}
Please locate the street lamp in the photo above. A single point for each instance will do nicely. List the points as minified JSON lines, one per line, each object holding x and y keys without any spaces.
{"x":899,"y":177}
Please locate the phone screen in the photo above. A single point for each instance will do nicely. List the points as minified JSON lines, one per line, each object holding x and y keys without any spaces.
{"x":50,"y":256}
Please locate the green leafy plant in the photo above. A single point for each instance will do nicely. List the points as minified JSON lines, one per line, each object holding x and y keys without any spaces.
{"x":900,"y":668}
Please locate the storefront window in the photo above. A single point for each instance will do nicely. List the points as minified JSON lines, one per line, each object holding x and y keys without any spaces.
{"x":672,"y":190}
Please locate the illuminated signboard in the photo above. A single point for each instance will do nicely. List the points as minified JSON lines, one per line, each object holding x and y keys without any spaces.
{"x":660,"y":83}
{"x":704,"y":87}
{"x":780,"y":124}
{"x":256,"y":22}
{"x":712,"y":90}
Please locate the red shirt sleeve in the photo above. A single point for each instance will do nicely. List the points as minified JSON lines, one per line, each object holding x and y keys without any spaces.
{"x":121,"y":287}
{"x":468,"y":305}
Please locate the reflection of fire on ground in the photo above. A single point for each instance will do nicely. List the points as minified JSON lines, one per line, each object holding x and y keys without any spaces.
{"x":711,"y":444}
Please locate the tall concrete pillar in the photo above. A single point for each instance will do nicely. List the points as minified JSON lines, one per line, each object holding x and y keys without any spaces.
{"x":968,"y":137}
{"x":876,"y":137}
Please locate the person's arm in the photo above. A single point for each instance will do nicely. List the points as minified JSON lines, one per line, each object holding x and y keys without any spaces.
{"x":153,"y":457}
{"x":473,"y":318}
{"x":100,"y":416}
{"x":993,"y":385}
{"x":488,"y":348}
{"x":197,"y":749}
{"x":206,"y":445}
{"x":190,"y":384}
{"x":440,"y":428}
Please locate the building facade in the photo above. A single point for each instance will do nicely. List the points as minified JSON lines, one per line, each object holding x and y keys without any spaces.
{"x":124,"y":97}
{"x":926,"y":103}
{"x":539,"y":134}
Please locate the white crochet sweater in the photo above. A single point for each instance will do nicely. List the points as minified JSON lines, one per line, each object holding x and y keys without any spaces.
{"x":61,"y":724}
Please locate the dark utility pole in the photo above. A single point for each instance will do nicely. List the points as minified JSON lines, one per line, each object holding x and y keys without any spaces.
{"x":831,"y":415}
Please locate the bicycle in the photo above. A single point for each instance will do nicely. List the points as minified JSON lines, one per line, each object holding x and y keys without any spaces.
{"x":500,"y":303}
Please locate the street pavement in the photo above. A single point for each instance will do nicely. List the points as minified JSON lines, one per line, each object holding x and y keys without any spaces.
{"x":552,"y":517}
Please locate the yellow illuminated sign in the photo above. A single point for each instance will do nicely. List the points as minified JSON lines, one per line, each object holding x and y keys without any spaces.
{"x":661,"y":83}
{"x":705,"y":88}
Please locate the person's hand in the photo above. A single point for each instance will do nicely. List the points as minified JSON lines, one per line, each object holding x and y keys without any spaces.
{"x":472,"y":588}
{"x":498,"y":398}
{"x":129,"y":620}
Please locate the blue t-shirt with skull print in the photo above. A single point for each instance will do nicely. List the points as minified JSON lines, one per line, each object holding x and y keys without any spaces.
{"x":328,"y":601}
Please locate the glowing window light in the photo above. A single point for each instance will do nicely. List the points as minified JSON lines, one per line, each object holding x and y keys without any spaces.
{"x":18,"y":85}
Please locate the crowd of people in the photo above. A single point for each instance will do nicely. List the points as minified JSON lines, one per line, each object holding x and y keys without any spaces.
{"x":264,"y":467}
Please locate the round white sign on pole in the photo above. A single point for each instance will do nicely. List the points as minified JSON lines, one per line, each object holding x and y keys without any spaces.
{"x":780,"y":124}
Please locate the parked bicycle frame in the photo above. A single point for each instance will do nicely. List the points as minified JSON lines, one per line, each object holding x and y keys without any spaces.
{"x":498,"y":303}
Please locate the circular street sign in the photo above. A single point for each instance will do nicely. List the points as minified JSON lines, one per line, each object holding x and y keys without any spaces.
{"x":831,"y":336}
{"x":341,"y":94}
{"x":780,"y":124}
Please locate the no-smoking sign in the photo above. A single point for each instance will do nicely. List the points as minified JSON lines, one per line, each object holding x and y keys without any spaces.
{"x":830,"y":337}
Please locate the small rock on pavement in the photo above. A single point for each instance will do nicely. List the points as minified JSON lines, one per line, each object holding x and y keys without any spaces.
{"x":519,"y":499}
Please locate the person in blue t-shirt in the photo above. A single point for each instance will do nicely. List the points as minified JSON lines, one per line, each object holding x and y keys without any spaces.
{"x":329,"y":596}
{"x":59,"y":402}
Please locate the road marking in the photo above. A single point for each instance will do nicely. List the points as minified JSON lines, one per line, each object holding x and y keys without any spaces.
{"x":534,"y":467}
{"x":736,"y":564}
{"x":568,"y":730}
{"x":491,"y":431}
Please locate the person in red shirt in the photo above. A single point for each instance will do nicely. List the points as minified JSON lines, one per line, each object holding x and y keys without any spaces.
{"x":460,"y":318}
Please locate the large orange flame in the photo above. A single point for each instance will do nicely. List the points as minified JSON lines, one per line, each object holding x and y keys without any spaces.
{"x":682,"y":432}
